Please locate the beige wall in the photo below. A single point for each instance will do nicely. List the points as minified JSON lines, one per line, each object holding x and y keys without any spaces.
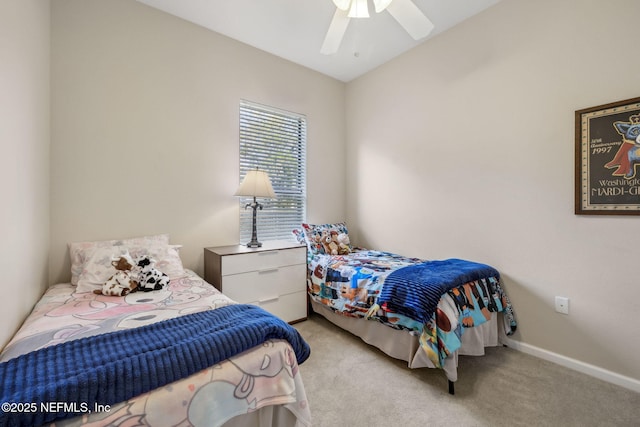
{"x":462,"y":147}
{"x":145,"y":128}
{"x":24,"y":163}
{"x":465,"y":145}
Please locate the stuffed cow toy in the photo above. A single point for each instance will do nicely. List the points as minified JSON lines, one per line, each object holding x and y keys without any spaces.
{"x":149,"y":277}
{"x":122,"y":282}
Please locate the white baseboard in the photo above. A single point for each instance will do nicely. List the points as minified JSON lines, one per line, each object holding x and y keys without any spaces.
{"x":576,"y":365}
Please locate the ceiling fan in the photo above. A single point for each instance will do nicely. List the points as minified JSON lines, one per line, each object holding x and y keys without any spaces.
{"x":404,"y":11}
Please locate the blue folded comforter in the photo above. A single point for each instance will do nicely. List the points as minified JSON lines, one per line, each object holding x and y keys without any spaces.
{"x":113,"y":367}
{"x":414,"y":291}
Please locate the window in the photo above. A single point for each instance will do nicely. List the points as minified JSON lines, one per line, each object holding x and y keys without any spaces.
{"x":275,"y":142}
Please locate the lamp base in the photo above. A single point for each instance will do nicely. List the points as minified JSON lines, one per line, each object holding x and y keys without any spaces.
{"x":254,"y":232}
{"x":253,"y":244}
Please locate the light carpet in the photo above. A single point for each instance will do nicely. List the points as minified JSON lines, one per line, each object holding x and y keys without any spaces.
{"x":350,"y":383}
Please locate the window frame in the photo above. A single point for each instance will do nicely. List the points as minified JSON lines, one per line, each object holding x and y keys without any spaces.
{"x":275,"y":141}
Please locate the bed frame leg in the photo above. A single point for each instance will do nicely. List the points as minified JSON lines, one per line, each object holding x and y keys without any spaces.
{"x":451,"y":388}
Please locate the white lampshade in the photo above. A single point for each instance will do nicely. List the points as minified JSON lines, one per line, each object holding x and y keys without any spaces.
{"x":256,"y":183}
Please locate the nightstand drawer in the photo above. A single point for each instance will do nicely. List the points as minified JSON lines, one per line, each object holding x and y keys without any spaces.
{"x":290,"y":307}
{"x":264,"y":260}
{"x":264,"y":285}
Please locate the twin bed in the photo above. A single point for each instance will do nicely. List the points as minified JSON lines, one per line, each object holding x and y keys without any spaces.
{"x":183,"y":355}
{"x":188,"y":355}
{"x":424,"y":312}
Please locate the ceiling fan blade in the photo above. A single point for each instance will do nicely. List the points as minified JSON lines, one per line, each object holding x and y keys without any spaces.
{"x":411,"y":18}
{"x":335,"y":33}
{"x":342,"y":4}
{"x":381,"y":5}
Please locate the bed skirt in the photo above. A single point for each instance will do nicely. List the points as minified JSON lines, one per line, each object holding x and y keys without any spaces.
{"x":401,"y":345}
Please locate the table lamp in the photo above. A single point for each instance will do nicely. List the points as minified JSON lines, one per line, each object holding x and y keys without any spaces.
{"x":256,"y":183}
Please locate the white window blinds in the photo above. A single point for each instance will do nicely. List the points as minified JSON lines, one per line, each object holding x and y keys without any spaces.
{"x":274,"y":141}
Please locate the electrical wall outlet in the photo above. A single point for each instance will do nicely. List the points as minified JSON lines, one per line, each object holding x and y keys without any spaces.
{"x":562,"y":305}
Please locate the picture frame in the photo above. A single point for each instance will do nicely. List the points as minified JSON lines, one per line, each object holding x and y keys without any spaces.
{"x":607,"y":159}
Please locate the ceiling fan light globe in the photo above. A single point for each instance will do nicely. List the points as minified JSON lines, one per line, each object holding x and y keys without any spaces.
{"x":342,"y":4}
{"x":381,"y":5}
{"x":359,"y":9}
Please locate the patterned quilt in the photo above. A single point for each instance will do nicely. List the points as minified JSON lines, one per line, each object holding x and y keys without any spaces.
{"x":262,"y":376}
{"x":351,"y":285}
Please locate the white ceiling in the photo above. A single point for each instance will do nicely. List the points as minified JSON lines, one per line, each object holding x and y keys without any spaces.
{"x":295,"y":29}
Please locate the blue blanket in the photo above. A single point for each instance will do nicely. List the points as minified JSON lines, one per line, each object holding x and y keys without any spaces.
{"x":414,"y":291}
{"x":113,"y":367}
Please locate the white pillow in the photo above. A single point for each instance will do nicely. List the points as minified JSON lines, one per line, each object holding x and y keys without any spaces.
{"x":98,"y":268}
{"x":167,"y":258}
{"x":80,"y":252}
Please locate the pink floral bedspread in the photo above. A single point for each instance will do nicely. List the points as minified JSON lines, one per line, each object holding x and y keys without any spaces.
{"x":263,"y":376}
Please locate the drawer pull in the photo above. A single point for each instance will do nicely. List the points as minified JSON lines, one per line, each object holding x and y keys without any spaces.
{"x":262,"y":301}
{"x":269,"y":270}
{"x":266,"y":253}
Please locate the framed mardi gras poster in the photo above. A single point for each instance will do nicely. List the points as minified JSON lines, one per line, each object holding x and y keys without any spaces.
{"x":608,"y":159}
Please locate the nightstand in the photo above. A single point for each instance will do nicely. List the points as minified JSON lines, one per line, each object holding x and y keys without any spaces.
{"x":272,"y":276}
